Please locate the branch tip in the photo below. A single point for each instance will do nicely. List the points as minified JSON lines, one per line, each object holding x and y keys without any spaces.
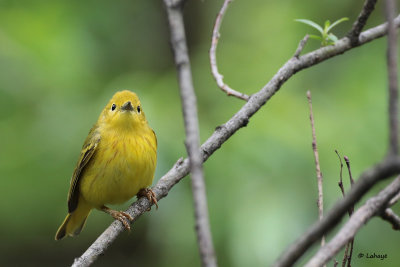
{"x":301,"y":46}
{"x":213,"y":58}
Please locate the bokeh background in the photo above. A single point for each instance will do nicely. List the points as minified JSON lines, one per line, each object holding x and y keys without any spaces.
{"x":60,"y":62}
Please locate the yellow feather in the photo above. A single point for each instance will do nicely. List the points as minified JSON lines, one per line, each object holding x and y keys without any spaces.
{"x":117,"y":160}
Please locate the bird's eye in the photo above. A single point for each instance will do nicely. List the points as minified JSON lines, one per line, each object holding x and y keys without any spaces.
{"x":113,"y":107}
{"x":138,"y":109}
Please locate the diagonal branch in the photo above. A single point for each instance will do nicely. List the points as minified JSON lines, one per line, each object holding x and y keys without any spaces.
{"x":369,"y":6}
{"x":371,"y":208}
{"x":239,"y":120}
{"x":367,"y":180}
{"x":213,"y":57}
{"x":383,"y":170}
{"x":189,"y":107}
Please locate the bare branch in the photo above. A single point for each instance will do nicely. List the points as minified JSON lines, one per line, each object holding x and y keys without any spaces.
{"x":369,"y":6}
{"x":320,"y":201}
{"x":371,"y":208}
{"x":301,"y":46}
{"x":213,"y":57}
{"x":189,"y":107}
{"x":341,"y":173}
{"x":345,"y":254}
{"x":385,"y":169}
{"x":390,"y":9}
{"x":350,"y":245}
{"x":394,"y":200}
{"x":389,"y":215}
{"x":346,"y":159}
{"x":239,"y":120}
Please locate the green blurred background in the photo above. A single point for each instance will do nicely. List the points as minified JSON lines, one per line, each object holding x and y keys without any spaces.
{"x":60,"y":62}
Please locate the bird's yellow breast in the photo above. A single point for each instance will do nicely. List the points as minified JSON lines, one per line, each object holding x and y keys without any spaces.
{"x":123,"y":164}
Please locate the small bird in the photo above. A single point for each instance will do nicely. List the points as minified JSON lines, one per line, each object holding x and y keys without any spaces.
{"x":117,"y":162}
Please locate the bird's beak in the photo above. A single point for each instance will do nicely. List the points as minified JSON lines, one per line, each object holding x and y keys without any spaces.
{"x":127,"y":106}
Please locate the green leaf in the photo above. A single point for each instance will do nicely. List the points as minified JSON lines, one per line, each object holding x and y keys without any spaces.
{"x":316,"y":37}
{"x":333,"y":38}
{"x":327,"y":23}
{"x":336,"y":23}
{"x":311,"y":23}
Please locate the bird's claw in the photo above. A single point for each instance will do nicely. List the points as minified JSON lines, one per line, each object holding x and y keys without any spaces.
{"x":121,"y":216}
{"x":150,"y":195}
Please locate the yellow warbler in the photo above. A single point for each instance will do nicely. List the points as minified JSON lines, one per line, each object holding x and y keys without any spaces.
{"x":117,"y":161}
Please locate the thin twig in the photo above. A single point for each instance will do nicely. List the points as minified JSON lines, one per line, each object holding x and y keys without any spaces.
{"x":301,"y":46}
{"x":346,"y":159}
{"x":371,"y":208}
{"x":341,"y":173}
{"x":386,"y":168}
{"x":239,"y":120}
{"x":369,"y":6}
{"x":320,"y":201}
{"x":189,"y":107}
{"x":335,"y":263}
{"x":389,"y":215}
{"x":390,"y":9}
{"x":296,"y":249}
{"x":349,"y":245}
{"x":340,"y":183}
{"x":394,"y":199}
{"x":345,"y":254}
{"x":351,"y":252}
{"x":213,"y":57}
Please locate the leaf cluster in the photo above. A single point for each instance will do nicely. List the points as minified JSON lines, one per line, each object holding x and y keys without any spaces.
{"x":326,"y":37}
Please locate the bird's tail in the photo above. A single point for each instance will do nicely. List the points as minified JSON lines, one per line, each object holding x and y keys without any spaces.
{"x":74,"y":221}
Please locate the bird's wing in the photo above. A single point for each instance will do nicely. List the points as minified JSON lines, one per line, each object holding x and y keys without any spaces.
{"x":155,"y":136}
{"x":87,"y":153}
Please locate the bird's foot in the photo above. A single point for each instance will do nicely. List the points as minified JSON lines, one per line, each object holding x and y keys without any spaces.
{"x":149,"y":194}
{"x":120,"y":216}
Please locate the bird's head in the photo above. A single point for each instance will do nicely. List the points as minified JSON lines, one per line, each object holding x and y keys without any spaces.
{"x":123,"y":110}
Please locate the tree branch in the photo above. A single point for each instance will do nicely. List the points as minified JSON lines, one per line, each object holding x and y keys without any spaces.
{"x":385,"y":169}
{"x":371,"y":208}
{"x":350,"y":245}
{"x":213,"y":57}
{"x":239,"y":120}
{"x":189,"y":107}
{"x":340,"y":183}
{"x":389,"y":166}
{"x":301,"y":46}
{"x":369,"y":6}
{"x":389,"y":215}
{"x":320,"y":202}
{"x":390,"y":9}
{"x":348,"y":251}
{"x":394,"y":199}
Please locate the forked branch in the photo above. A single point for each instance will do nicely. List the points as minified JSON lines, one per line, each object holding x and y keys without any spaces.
{"x":239,"y":120}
